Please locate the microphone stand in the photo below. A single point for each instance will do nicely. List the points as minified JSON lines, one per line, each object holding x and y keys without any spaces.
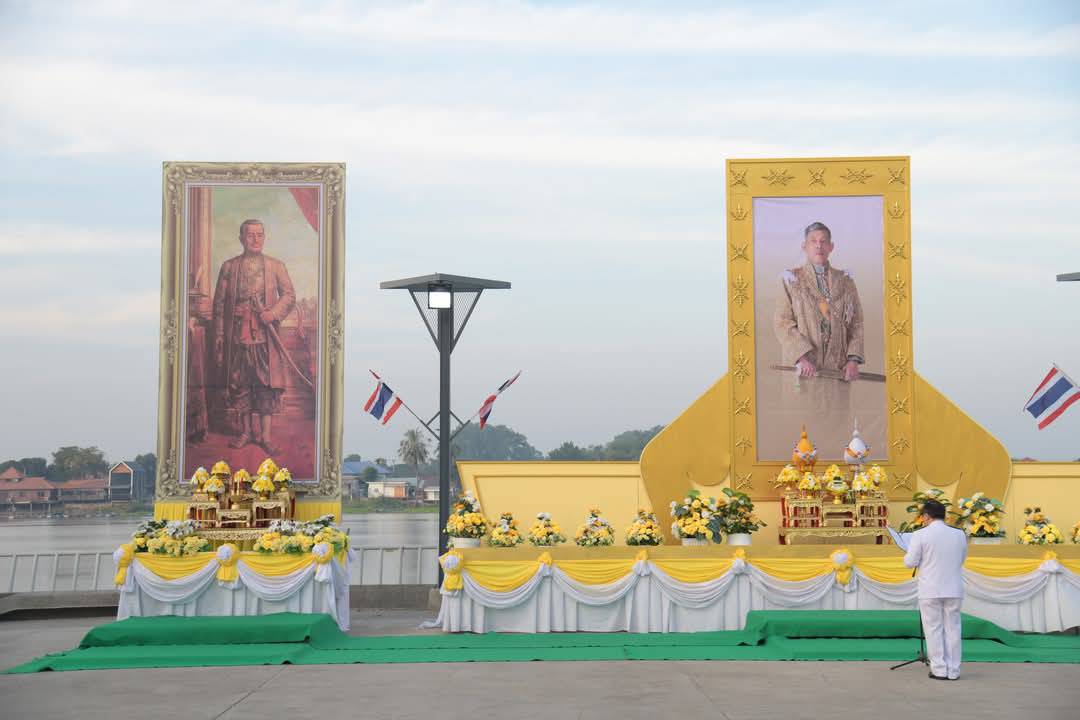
{"x":921,"y":657}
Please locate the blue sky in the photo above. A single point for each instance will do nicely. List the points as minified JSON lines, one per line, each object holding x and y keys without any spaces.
{"x":576,"y":150}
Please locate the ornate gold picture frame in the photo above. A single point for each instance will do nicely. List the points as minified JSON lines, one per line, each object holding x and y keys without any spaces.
{"x":884,"y":183}
{"x":230,"y":313}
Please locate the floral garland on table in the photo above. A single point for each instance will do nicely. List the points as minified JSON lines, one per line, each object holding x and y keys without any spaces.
{"x":737,"y":516}
{"x":877,"y":475}
{"x":645,"y":530}
{"x":545,"y":532}
{"x":466,"y":520}
{"x":979,"y":516}
{"x":293,"y":537}
{"x":694,"y":518}
{"x":917,"y":500}
{"x":1076,"y":533}
{"x":1038,"y":530}
{"x":177,"y":538}
{"x":595,"y":532}
{"x":505,"y":532}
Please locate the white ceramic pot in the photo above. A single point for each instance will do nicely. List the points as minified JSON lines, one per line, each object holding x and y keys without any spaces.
{"x":694,"y":541}
{"x":987,"y":540}
{"x":738,"y":539}
{"x":460,"y":542}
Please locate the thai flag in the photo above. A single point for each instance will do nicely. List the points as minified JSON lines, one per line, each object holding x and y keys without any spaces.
{"x":383,"y":403}
{"x":485,"y":409}
{"x":1053,"y":396}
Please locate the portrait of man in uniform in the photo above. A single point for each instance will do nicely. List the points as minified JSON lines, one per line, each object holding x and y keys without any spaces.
{"x":817,"y":327}
{"x":253,"y":295}
{"x":252,"y":343}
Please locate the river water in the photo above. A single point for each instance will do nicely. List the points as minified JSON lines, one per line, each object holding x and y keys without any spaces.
{"x":90,"y":535}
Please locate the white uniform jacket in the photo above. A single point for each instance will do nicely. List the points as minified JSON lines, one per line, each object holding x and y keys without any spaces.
{"x":939,"y":552}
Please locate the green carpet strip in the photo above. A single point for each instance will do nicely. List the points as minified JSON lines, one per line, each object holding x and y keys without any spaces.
{"x":314,"y":639}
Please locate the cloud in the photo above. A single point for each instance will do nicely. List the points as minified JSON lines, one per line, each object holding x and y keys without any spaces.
{"x":520,"y":27}
{"x":40,"y":239}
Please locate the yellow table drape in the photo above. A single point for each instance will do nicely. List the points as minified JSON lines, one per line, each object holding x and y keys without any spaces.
{"x":793,"y":569}
{"x":694,"y":570}
{"x":500,"y":576}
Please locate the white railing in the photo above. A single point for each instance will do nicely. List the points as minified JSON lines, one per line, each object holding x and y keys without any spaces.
{"x":88,"y":571}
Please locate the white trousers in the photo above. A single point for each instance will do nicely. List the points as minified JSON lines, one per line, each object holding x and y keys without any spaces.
{"x":941,"y":624}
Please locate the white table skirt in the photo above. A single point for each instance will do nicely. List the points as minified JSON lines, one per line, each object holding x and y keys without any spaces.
{"x":644,"y":608}
{"x":202,"y":595}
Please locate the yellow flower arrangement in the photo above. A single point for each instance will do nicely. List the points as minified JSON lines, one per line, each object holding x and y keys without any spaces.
{"x":283,"y":477}
{"x":198,"y":479}
{"x":1076,"y":533}
{"x":292,"y":537}
{"x":177,"y":538}
{"x":214,"y":486}
{"x":595,"y":531}
{"x":788,"y":477}
{"x":1038,"y":530}
{"x":545,"y":532}
{"x":267,"y":467}
{"x":979,"y":516}
{"x":263,"y":484}
{"x":505,"y":532}
{"x":697,"y":518}
{"x":221,"y":469}
{"x":862,"y":483}
{"x":809,"y":482}
{"x":877,"y":475}
{"x":645,"y":530}
{"x":466,"y":519}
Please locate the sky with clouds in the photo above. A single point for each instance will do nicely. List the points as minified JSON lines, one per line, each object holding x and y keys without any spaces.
{"x":576,"y":150}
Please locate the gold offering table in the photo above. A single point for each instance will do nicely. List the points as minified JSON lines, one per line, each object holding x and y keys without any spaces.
{"x":239,"y":511}
{"x":859,"y":515}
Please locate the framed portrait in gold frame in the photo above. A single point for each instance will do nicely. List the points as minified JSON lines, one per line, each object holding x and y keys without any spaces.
{"x":819,"y":314}
{"x":252,"y":298}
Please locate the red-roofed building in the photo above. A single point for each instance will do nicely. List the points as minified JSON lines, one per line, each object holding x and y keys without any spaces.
{"x":88,"y":489}
{"x":26,"y":493}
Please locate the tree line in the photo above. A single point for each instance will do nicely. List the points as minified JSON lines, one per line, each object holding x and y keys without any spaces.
{"x":72,"y":461}
{"x":418,"y":452}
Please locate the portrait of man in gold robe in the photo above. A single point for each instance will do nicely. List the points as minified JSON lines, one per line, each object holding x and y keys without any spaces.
{"x":819,"y":318}
{"x":819,"y":323}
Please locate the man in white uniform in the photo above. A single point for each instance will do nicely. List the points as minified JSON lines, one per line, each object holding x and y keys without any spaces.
{"x":939,"y":551}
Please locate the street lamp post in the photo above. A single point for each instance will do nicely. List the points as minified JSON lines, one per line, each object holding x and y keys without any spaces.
{"x":445,"y":303}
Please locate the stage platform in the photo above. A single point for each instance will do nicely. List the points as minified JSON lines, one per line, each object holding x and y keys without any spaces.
{"x":315,"y":639}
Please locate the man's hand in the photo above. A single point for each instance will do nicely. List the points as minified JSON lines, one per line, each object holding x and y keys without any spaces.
{"x":851,"y":371}
{"x":806,"y":367}
{"x":219,"y":350}
{"x":267,"y":316}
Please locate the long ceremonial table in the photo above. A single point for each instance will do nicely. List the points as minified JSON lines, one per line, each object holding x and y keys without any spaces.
{"x":689,"y":589}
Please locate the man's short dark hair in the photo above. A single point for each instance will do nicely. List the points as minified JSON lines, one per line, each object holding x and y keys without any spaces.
{"x":818,"y":226}
{"x":934,"y":509}
{"x":249,"y":221}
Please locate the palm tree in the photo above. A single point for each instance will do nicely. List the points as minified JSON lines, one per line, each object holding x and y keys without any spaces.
{"x":413,"y":450}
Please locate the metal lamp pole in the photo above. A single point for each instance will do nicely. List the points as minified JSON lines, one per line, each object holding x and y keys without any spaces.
{"x":445,"y":303}
{"x":446,"y":346}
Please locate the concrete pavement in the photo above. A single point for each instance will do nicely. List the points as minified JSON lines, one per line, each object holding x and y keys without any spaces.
{"x":519,"y":691}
